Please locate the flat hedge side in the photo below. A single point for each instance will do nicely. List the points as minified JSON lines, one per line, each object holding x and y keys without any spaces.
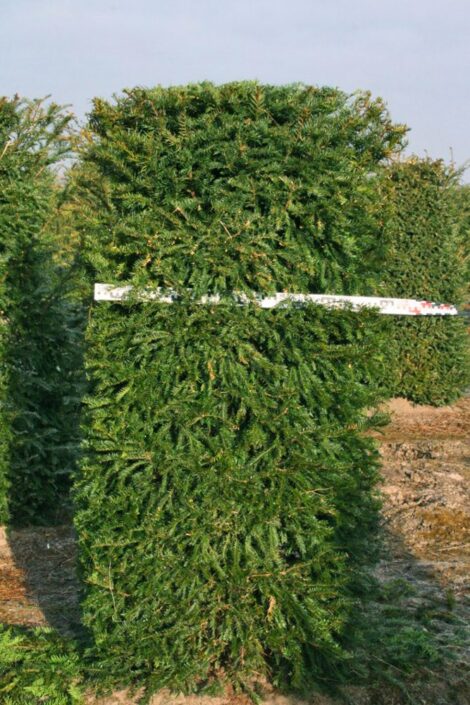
{"x":227,"y":493}
{"x":226,"y":497}
{"x":427,"y":231}
{"x":38,"y":333}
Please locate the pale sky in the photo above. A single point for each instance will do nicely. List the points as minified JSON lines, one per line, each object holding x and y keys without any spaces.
{"x":413,"y":53}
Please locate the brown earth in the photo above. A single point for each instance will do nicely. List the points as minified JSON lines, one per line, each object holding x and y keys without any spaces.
{"x":426,"y":490}
{"x":426,"y":521}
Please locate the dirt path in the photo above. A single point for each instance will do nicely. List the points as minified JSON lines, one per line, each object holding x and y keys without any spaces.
{"x":38,"y":582}
{"x":426,"y":518}
{"x":426,"y":489}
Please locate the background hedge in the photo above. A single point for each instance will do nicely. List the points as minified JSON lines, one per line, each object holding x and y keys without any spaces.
{"x":427,"y":228}
{"x":39,"y":357}
{"x":226,"y":497}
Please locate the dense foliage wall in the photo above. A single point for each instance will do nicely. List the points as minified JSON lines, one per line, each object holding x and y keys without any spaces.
{"x":39,"y":353}
{"x":226,"y":497}
{"x":428,"y":235}
{"x":462,"y":205}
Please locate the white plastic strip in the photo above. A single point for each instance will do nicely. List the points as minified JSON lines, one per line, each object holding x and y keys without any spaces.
{"x":387,"y":306}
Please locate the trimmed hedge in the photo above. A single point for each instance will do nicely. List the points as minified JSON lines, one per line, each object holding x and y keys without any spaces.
{"x":427,"y":259}
{"x":226,"y":498}
{"x":38,"y":350}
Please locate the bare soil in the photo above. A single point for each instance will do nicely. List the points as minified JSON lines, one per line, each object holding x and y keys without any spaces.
{"x":426,"y":520}
{"x":426,"y":490}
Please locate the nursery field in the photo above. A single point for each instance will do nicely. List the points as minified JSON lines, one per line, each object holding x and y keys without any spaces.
{"x":423,"y":571}
{"x":190,"y":494}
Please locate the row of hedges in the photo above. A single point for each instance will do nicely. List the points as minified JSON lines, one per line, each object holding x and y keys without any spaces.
{"x":424,"y":209}
{"x":226,"y":500}
{"x":227,"y":493}
{"x":39,"y":358}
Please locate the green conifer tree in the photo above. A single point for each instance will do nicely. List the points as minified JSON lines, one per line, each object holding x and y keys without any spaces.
{"x":226,"y":498}
{"x":38,"y":333}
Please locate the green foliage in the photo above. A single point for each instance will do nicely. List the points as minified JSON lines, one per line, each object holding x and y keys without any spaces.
{"x":462,"y":205}
{"x":226,"y":497}
{"x":39,"y":331}
{"x":37,"y":667}
{"x":238,"y":187}
{"x":427,"y":229}
{"x":223,"y":489}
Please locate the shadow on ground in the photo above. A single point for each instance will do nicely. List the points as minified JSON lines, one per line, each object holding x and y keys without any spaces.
{"x":38,"y":578}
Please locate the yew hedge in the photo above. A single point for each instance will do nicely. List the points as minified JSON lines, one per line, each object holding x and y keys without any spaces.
{"x":226,"y":497}
{"x":38,"y":330}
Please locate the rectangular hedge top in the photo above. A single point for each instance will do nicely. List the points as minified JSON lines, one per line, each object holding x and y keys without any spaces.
{"x":235,"y":187}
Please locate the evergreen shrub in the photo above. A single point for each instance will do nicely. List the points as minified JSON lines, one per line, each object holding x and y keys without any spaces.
{"x":427,"y":232}
{"x":38,"y":667}
{"x":39,"y":330}
{"x":226,"y":497}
